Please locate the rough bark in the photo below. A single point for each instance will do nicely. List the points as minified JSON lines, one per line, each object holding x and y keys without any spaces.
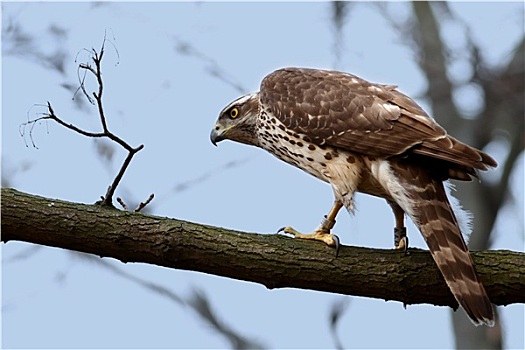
{"x":272,"y":260}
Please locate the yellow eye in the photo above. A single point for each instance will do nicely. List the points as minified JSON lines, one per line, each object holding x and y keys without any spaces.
{"x":234,"y":112}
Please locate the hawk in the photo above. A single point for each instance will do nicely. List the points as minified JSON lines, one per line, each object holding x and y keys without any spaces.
{"x":371,"y":138}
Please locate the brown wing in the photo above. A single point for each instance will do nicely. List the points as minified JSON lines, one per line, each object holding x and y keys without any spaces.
{"x":345,"y":111}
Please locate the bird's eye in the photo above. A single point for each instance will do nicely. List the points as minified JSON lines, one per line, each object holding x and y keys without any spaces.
{"x":234,"y":112}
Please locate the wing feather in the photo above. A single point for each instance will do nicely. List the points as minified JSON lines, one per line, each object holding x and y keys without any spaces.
{"x":345,"y":111}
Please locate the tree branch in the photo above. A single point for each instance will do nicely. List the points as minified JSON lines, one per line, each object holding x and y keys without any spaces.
{"x":272,"y":260}
{"x":96,"y":57}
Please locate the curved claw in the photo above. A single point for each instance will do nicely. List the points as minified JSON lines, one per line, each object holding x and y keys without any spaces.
{"x":337,"y":244}
{"x":400,"y":238}
{"x":289,"y":230}
{"x":318,"y":235}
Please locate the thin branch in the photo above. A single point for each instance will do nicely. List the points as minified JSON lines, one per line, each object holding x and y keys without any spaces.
{"x":51,"y":115}
{"x":97,"y":58}
{"x":122,"y":204}
{"x":82,"y":85}
{"x":96,"y":71}
{"x":111,"y":189}
{"x":142,"y":205}
{"x":139,"y":207}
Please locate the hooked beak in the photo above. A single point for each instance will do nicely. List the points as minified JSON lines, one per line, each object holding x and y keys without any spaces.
{"x":217,"y":134}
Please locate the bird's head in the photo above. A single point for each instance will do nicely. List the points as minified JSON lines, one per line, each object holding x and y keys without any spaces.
{"x":237,"y":121}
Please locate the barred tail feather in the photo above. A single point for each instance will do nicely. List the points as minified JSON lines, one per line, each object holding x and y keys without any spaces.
{"x":433,"y":215}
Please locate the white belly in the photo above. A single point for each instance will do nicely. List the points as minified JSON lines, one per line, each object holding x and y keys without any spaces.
{"x":342,"y":169}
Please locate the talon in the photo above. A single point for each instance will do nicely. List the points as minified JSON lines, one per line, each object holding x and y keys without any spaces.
{"x":319,"y":234}
{"x":322,"y":233}
{"x":337,"y":245}
{"x":289,"y":230}
{"x":399,"y":234}
{"x":401,"y":239}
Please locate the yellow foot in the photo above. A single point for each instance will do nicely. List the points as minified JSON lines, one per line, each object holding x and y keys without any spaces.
{"x":318,"y":235}
{"x":401,"y":239}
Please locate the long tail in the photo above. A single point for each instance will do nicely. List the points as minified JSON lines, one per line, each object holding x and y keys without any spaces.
{"x":431,"y":211}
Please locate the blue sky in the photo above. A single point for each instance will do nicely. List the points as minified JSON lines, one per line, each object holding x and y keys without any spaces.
{"x":160,"y":91}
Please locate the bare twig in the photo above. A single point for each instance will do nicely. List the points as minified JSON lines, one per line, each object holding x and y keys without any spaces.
{"x":122,"y":204}
{"x":143,"y":204}
{"x":139,"y":207}
{"x":95,"y":69}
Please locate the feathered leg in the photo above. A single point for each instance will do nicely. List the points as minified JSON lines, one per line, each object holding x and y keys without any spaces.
{"x":400,"y":231}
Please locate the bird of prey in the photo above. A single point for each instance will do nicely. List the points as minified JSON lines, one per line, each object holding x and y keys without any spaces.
{"x":371,"y":138}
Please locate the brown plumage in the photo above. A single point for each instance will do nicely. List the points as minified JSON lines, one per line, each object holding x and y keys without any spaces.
{"x":438,"y":224}
{"x":360,"y":136}
{"x":375,"y":120}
